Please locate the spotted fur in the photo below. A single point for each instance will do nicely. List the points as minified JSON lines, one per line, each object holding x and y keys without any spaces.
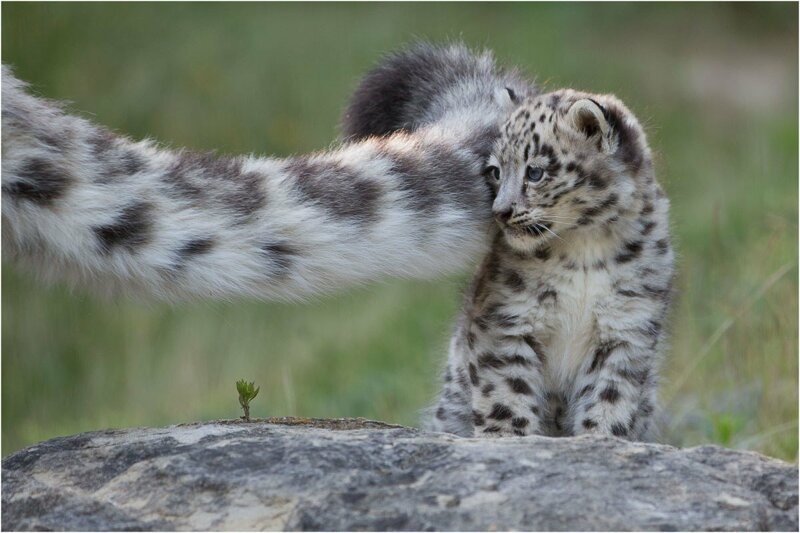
{"x":562,"y":331}
{"x":83,"y":204}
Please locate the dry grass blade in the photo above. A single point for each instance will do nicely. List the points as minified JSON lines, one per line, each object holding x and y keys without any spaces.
{"x":726,"y":325}
{"x":749,"y":442}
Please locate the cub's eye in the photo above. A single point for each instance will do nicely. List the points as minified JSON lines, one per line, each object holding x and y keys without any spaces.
{"x":492,"y":173}
{"x":534,"y":174}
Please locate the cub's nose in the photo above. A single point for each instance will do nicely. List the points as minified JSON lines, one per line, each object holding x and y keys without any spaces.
{"x":503,"y":214}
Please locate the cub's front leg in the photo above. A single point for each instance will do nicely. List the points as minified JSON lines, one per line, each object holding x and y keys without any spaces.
{"x":617,"y":389}
{"x":508,"y":390}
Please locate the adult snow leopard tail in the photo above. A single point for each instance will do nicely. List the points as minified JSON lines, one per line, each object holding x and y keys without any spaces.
{"x":426,"y":83}
{"x":82,"y":204}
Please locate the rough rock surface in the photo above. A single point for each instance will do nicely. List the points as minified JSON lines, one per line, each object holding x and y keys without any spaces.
{"x":356,"y":475}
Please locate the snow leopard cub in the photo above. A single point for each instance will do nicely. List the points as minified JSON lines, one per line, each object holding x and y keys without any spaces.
{"x":562,"y":327}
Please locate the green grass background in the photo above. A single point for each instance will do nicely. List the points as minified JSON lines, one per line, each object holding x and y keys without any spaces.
{"x":715,"y":85}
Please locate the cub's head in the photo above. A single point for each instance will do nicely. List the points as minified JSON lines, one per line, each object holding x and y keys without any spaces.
{"x":565,"y":161}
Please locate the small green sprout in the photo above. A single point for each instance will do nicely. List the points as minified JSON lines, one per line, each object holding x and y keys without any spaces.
{"x":247,"y":391}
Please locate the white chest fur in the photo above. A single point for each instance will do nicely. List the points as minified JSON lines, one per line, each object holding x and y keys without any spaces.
{"x":570,"y":324}
{"x":566,"y":324}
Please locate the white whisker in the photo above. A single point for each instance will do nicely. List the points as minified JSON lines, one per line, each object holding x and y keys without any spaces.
{"x":552,"y":232}
{"x":557,"y":217}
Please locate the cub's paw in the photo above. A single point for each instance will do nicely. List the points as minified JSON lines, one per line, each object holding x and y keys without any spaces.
{"x":493,"y":431}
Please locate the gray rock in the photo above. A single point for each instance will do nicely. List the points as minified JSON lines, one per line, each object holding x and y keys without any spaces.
{"x":302,"y":474}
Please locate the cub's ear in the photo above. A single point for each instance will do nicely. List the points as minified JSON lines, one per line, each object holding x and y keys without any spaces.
{"x":591,"y":119}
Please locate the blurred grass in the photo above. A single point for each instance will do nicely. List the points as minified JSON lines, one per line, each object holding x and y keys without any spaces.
{"x":716,"y":86}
